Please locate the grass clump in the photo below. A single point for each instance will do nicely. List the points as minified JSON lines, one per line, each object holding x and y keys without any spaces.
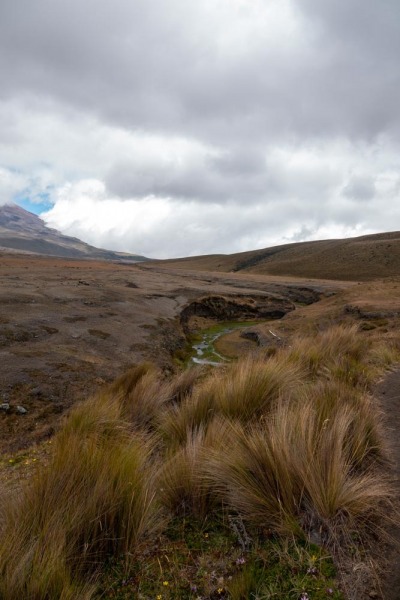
{"x":153,"y":477}
{"x":251,"y":387}
{"x":95,"y":498}
{"x":183,"y":488}
{"x":295,"y":474}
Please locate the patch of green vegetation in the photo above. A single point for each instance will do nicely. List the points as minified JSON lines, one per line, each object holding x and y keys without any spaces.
{"x":207,"y":560}
{"x":201,"y":344}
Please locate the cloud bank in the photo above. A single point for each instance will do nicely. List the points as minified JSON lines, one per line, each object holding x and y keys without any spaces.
{"x":176,"y":128}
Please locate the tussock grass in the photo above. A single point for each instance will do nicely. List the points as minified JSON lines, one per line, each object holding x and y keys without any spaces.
{"x":127,"y":382}
{"x":145,"y":401}
{"x":336,"y":353}
{"x":251,"y":387}
{"x":365,"y":439}
{"x":184,"y":384}
{"x":244,"y":391}
{"x":296,"y":473}
{"x":292,"y":444}
{"x":183,"y":489}
{"x":96,"y":498}
{"x":180,"y":420}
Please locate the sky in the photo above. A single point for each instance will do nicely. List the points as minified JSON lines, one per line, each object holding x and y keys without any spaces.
{"x":176,"y":127}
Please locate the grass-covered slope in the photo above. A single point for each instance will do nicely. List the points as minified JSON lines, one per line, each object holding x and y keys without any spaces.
{"x":257,"y":480}
{"x":354,"y":259}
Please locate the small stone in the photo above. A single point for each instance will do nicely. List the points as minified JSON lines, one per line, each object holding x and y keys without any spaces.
{"x":5,"y":406}
{"x":20,"y":410}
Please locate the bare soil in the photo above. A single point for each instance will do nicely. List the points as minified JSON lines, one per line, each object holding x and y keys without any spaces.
{"x":69,"y":326}
{"x":388,"y":394}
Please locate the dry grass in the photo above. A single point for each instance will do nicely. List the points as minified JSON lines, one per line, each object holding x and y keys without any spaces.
{"x":95,"y":499}
{"x":293,"y":445}
{"x":297,"y":473}
{"x":183,"y":489}
{"x":336,"y":353}
{"x":180,"y":420}
{"x":364,"y":438}
{"x":251,"y":387}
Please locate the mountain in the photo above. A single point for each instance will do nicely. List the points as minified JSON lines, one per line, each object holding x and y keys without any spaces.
{"x":23,"y":231}
{"x":353,"y":259}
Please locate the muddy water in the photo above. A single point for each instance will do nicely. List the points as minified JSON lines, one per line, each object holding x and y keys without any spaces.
{"x":203,"y":349}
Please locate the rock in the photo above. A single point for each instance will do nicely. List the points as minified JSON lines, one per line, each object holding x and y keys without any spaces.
{"x":236,"y":308}
{"x":315,"y":537}
{"x":5,"y":407}
{"x":20,"y":410}
{"x":36,"y":392}
{"x":251,"y":334}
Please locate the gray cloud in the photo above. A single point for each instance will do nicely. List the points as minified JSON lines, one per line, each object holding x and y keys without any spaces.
{"x":360,"y":187}
{"x":166,"y":66}
{"x":286,"y":108}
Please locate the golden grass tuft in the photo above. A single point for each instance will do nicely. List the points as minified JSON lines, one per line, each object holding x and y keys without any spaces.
{"x":295,"y":472}
{"x":335,"y":353}
{"x":251,"y":387}
{"x":182,"y":487}
{"x":180,"y":420}
{"x":95,"y":499}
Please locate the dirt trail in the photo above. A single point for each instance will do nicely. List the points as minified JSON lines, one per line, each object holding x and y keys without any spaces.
{"x":388,"y":393}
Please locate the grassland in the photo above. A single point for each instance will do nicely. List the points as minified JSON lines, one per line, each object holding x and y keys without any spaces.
{"x":266,"y":478}
{"x":352,"y":259}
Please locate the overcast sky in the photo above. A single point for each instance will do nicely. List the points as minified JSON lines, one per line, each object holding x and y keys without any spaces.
{"x":178,"y":127}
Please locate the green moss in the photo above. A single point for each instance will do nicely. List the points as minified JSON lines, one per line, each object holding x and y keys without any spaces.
{"x":205,"y":560}
{"x":208,"y":337}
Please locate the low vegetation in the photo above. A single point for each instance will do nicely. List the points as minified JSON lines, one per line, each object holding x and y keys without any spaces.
{"x":254,"y":480}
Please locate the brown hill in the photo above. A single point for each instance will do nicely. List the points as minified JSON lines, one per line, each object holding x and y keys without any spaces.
{"x":23,"y":231}
{"x":352,"y":259}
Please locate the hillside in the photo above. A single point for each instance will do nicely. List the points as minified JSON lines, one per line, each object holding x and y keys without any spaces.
{"x":23,"y":231}
{"x":361,"y":258}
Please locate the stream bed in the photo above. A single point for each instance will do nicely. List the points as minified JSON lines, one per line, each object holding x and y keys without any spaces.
{"x":203,"y":344}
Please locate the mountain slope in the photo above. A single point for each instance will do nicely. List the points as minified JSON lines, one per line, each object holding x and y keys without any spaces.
{"x":24,"y":231}
{"x":359,"y":259}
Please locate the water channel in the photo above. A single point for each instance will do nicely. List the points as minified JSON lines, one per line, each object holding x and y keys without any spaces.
{"x":203,"y":344}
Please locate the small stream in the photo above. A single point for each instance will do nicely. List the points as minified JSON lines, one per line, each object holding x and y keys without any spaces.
{"x":203,"y":349}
